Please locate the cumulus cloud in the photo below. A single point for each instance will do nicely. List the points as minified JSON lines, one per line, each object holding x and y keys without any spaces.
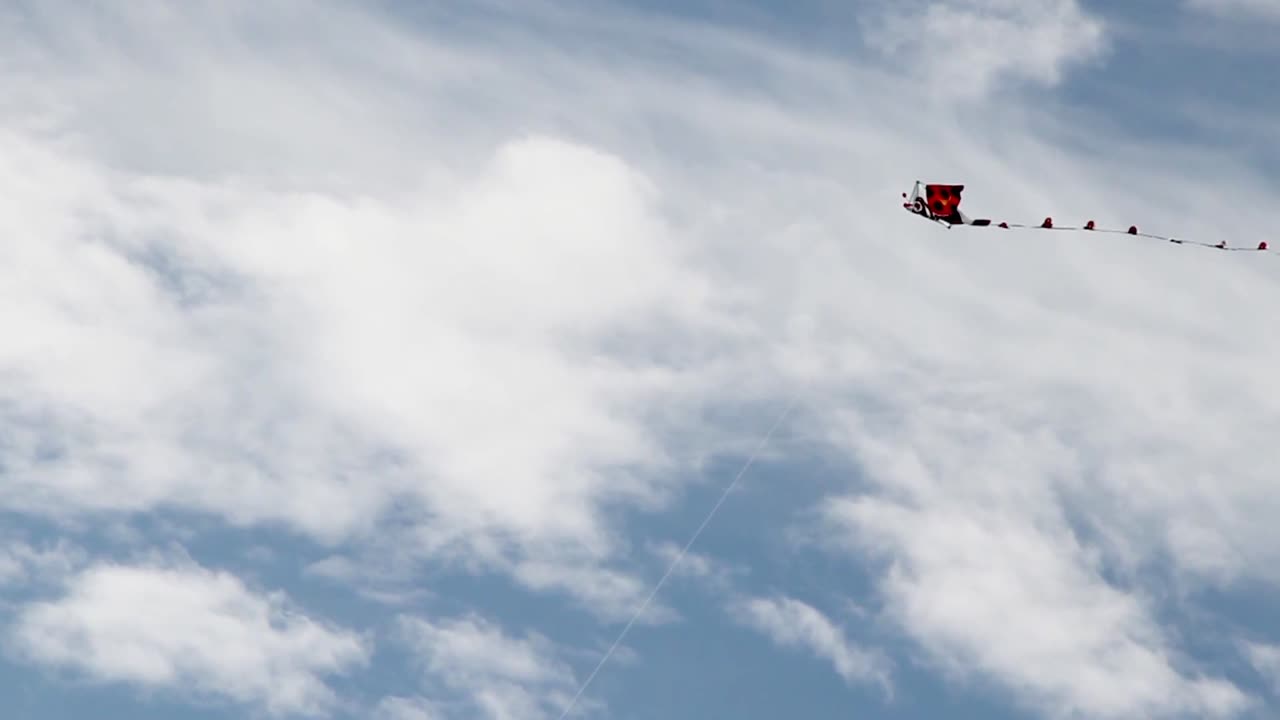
{"x":966,"y":48}
{"x":187,"y":629}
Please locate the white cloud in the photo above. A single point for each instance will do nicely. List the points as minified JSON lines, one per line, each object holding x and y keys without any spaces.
{"x":966,"y":48}
{"x":188,"y":630}
{"x":502,"y":677}
{"x":359,"y":267}
{"x":797,"y":625}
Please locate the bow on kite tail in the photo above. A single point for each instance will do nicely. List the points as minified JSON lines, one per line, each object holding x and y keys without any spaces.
{"x":941,"y":203}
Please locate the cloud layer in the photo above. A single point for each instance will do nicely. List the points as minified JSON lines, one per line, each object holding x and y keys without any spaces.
{"x":480,"y":300}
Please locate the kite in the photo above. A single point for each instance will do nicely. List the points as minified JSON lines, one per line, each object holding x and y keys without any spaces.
{"x":941,"y":204}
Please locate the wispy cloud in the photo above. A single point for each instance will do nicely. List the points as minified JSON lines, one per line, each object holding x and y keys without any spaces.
{"x":400,"y":708}
{"x":1242,"y":11}
{"x":986,"y":591}
{"x":27,"y":565}
{"x":1265,"y":658}
{"x":968,"y":48}
{"x":499,"y":676}
{"x":798,"y":626}
{"x":719,"y":574}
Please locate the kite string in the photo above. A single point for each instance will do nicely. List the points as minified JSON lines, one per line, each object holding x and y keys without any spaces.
{"x":751,"y":459}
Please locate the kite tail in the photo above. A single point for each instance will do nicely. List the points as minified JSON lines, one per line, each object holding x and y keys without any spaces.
{"x":941,"y":203}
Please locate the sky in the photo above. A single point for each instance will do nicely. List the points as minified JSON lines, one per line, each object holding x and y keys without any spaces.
{"x":378,"y":360}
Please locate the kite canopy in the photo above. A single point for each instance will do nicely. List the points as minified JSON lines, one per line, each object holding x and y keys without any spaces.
{"x":941,"y":203}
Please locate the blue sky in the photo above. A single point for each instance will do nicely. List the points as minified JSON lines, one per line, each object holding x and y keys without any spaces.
{"x":375,"y":360}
